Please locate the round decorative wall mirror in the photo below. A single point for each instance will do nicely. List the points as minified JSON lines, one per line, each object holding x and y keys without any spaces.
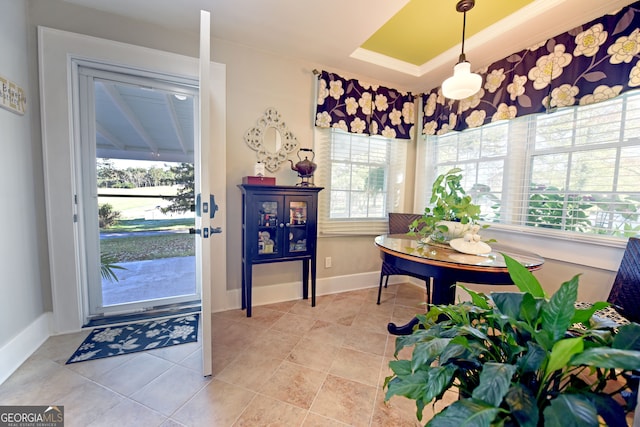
{"x":271,"y":139}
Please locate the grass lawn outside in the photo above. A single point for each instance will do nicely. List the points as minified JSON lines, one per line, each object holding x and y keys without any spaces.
{"x":141,"y":224}
{"x":140,"y":248}
{"x":134,"y":247}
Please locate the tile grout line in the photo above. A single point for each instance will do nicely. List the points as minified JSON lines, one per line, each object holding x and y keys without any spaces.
{"x":379,"y":388}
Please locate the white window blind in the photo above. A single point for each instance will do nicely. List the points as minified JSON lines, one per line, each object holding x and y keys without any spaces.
{"x":364,"y":179}
{"x":574,"y":170}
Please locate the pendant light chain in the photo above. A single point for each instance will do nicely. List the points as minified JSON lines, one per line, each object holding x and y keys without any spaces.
{"x":463,"y":83}
{"x":464,"y":6}
{"x":464,"y":25}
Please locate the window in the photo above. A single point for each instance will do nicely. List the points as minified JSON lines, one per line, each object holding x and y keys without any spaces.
{"x":363,"y":177}
{"x":573,"y":170}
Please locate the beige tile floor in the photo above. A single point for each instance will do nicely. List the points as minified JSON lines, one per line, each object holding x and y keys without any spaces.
{"x":288,"y":365}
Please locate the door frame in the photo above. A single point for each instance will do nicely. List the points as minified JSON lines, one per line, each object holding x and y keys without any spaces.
{"x":56,"y":50}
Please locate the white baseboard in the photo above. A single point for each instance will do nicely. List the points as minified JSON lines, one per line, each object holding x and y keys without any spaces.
{"x":263,"y":295}
{"x":15,"y":352}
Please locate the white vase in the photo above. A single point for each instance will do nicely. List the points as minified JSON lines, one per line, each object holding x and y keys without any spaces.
{"x":455,"y":229}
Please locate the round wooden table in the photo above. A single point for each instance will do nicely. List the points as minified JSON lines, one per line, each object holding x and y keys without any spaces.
{"x":447,"y":267}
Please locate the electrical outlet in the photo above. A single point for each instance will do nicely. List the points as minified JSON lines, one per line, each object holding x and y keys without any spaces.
{"x":327,"y":262}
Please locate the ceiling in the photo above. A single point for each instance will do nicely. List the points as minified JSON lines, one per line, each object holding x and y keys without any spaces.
{"x":410,"y":44}
{"x":407,"y":44}
{"x":411,"y":36}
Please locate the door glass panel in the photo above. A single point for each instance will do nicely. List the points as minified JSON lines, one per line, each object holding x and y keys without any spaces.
{"x":297,"y":226}
{"x":268,"y":227}
{"x":144,"y":220}
{"x":138,"y":192}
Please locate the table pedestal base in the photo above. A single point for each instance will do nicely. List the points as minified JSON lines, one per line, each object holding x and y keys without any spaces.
{"x":404,"y":329}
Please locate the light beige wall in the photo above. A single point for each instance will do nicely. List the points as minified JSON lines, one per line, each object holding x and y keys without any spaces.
{"x":257,"y":80}
{"x":70,"y":17}
{"x":23,"y":252}
{"x":594,"y":283}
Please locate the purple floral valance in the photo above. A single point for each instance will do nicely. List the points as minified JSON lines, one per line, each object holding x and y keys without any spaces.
{"x":591,"y":63}
{"x":359,"y":107}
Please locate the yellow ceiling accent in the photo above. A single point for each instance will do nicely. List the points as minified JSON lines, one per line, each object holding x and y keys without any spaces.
{"x":423,"y":29}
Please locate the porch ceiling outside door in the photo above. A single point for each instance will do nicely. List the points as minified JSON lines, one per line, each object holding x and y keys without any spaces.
{"x":139,"y":123}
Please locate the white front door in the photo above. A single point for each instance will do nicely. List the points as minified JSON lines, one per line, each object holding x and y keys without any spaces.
{"x":203,"y":223}
{"x":212,"y":188}
{"x":58,"y":51}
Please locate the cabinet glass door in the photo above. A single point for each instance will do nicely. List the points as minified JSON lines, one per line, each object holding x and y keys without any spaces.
{"x":297,"y":226}
{"x":268,"y":227}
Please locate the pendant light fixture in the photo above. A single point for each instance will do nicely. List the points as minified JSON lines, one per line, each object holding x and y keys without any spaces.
{"x":463,"y":83}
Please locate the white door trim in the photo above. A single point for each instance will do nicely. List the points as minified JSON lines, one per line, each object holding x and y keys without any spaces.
{"x":202,"y":187}
{"x":56,"y":49}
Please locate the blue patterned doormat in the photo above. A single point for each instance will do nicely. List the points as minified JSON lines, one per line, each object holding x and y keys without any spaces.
{"x":125,"y":339}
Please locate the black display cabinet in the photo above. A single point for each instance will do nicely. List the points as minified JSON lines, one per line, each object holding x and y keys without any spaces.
{"x":279,"y":223}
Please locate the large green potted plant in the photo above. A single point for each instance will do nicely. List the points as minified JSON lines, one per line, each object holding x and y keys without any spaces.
{"x":519,"y":359}
{"x":451,"y":211}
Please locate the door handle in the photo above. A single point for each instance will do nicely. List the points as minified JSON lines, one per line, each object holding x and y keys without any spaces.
{"x":210,"y":207}
{"x":206,"y":231}
{"x":214,"y":207}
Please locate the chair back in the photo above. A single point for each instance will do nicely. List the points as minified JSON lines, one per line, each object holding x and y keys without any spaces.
{"x":625,"y":292}
{"x":399,"y":222}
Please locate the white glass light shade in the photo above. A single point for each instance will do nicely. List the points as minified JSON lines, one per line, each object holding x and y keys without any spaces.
{"x":463,"y":83}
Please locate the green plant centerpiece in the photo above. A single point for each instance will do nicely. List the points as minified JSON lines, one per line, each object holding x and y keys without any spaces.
{"x":520,"y":359}
{"x":451,"y":212}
